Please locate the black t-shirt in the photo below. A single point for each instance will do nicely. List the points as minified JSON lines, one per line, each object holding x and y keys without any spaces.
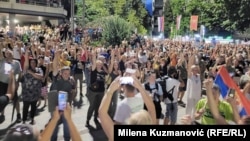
{"x":78,"y":66}
{"x":41,"y":38}
{"x":122,"y":66}
{"x":99,"y":78}
{"x":44,"y":71}
{"x":60,"y":84}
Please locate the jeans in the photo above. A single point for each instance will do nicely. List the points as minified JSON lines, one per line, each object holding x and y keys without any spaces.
{"x":66,"y":132}
{"x":87,"y":78}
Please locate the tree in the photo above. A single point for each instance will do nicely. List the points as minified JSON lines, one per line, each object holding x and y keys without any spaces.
{"x":168,"y":20}
{"x":131,"y":10}
{"x":115,"y":29}
{"x":212,"y":15}
{"x":93,"y":10}
{"x":238,"y":13}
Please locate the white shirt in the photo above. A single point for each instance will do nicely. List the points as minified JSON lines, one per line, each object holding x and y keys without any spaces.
{"x":128,"y":106}
{"x":194,"y":87}
{"x":16,"y":53}
{"x":142,"y":58}
{"x":46,"y":60}
{"x":15,"y":66}
{"x":170,"y":83}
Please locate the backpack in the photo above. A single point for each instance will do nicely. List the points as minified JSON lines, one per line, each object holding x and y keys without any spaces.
{"x":166,"y":94}
{"x":156,"y":97}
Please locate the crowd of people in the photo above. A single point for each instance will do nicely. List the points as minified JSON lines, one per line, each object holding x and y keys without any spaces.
{"x":145,"y":74}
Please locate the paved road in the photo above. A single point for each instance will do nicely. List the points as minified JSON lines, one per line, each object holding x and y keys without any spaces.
{"x":78,"y":116}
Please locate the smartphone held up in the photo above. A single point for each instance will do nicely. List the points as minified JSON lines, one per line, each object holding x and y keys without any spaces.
{"x":62,"y":100}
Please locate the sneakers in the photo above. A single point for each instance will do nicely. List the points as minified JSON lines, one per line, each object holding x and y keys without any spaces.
{"x":32,"y":122}
{"x":181,"y":103}
{"x":18,"y":119}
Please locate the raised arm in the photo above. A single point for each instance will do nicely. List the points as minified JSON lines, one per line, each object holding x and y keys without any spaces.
{"x":191,"y":62}
{"x":56,"y":63}
{"x":106,"y":121}
{"x":94,"y":60}
{"x":146,"y":98}
{"x":47,"y":132}
{"x":26,"y":60}
{"x":112,"y":62}
{"x":212,"y":104}
{"x":74,"y":133}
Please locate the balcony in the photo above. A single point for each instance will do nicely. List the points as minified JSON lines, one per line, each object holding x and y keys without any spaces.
{"x":33,"y":7}
{"x":159,"y":4}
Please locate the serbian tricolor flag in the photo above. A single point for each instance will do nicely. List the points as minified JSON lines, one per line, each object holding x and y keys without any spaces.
{"x":225,"y":82}
{"x":160,"y":24}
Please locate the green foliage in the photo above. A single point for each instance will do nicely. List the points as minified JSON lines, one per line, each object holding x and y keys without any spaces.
{"x":231,"y":15}
{"x":96,"y":43}
{"x":131,"y":10}
{"x":115,"y":29}
{"x":238,"y":13}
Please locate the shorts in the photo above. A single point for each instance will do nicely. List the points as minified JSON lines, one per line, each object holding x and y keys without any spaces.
{"x":4,"y":100}
{"x":171,"y":112}
{"x":183,"y":89}
{"x":3,"y":88}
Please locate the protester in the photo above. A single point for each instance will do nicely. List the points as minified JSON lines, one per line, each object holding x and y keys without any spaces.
{"x":62,"y":81}
{"x":31,"y":87}
{"x":25,"y":132}
{"x":191,"y":62}
{"x":9,"y":63}
{"x":136,"y":117}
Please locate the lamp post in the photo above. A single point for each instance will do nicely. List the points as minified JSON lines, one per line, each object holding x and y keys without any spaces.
{"x":83,"y":12}
{"x":72,"y":15}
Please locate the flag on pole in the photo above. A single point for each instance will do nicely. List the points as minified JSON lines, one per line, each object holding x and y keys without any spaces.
{"x":225,"y":82}
{"x":178,"y":22}
{"x":161,"y":24}
{"x":194,"y":22}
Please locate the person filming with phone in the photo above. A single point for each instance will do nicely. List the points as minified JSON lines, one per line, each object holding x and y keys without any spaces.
{"x":134,"y":101}
{"x":129,"y":111}
{"x":62,"y":81}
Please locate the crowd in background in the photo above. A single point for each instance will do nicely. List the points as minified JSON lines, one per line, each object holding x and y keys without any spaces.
{"x":146,"y":74}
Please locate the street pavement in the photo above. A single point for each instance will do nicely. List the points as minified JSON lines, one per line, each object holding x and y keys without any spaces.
{"x":79,"y":115}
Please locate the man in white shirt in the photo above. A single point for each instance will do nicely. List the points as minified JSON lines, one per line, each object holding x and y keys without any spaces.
{"x":17,"y":51}
{"x":172,"y":87}
{"x":132,"y":103}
